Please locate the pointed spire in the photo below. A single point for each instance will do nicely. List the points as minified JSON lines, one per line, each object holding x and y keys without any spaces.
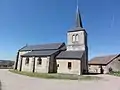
{"x":78,"y":18}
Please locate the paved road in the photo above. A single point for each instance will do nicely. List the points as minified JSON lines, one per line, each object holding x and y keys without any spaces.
{"x":11,"y":81}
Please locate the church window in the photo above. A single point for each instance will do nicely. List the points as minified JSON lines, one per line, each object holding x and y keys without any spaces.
{"x":76,"y":37}
{"x":73,"y":38}
{"x":69,"y":65}
{"x":57,"y":65}
{"x":39,"y":61}
{"x":27,"y":60}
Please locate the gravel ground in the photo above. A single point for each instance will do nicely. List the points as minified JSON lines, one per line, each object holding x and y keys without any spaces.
{"x":11,"y":81}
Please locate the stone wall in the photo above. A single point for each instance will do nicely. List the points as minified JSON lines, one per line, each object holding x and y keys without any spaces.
{"x":63,"y":66}
{"x":94,"y":69}
{"x":43,"y":68}
{"x":27,"y":67}
{"x":115,"y":64}
{"x":82,"y":41}
{"x":19,"y":58}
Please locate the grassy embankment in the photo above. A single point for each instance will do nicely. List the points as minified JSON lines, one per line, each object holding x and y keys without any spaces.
{"x":57,"y":76}
{"x":115,"y":73}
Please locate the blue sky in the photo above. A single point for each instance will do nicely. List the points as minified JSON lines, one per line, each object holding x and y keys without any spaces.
{"x":46,"y":21}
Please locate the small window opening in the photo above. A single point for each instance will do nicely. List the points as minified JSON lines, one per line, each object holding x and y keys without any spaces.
{"x":27,"y":60}
{"x":39,"y":61}
{"x":69,"y":65}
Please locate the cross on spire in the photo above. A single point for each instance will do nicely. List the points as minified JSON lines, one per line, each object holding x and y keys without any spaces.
{"x":78,"y":17}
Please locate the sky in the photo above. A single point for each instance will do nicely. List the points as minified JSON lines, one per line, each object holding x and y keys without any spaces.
{"x":46,"y":21}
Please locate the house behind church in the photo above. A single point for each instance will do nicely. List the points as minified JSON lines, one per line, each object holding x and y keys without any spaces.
{"x":107,"y":63}
{"x":70,"y":58}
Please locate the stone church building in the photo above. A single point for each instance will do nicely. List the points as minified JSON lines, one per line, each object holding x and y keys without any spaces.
{"x":69,"y":58}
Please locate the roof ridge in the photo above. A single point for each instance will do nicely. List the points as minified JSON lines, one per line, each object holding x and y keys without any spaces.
{"x":75,"y":51}
{"x":106,"y":55}
{"x":22,"y":47}
{"x":45,"y":44}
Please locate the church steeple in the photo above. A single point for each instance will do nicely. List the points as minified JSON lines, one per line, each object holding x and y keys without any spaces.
{"x":77,"y":36}
{"x":78,"y":18}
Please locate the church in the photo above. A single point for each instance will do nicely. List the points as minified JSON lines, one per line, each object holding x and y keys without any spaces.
{"x":69,"y":58}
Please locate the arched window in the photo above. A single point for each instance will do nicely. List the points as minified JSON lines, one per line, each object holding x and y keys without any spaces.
{"x":73,"y":38}
{"x":27,"y":60}
{"x":76,"y":37}
{"x":39,"y":61}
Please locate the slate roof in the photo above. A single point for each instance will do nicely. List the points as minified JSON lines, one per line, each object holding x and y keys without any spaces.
{"x":76,"y":29}
{"x":42,"y":47}
{"x":40,"y":53}
{"x":102,"y":59}
{"x":70,"y":55}
{"x":79,"y":26}
{"x":78,"y":18}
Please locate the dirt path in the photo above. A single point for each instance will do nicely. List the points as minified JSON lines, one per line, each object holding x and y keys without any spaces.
{"x":11,"y":81}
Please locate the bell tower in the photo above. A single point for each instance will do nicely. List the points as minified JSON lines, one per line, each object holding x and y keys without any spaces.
{"x":77,"y":36}
{"x":77,"y":40}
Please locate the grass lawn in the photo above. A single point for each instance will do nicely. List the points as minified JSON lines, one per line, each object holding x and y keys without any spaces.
{"x":115,"y":73}
{"x":57,"y":76}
